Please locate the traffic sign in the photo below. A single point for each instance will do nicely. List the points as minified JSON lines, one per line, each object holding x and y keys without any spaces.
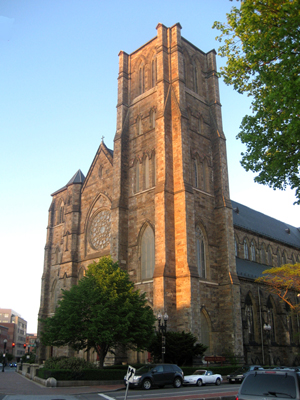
{"x":130,"y":374}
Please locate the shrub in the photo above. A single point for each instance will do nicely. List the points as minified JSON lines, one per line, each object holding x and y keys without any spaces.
{"x":68,"y":363}
{"x":87,"y":374}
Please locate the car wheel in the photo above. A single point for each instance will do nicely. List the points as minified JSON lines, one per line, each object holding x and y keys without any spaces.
{"x":177,"y":383}
{"x":147,"y":384}
{"x":199,"y":382}
{"x":218,"y":381}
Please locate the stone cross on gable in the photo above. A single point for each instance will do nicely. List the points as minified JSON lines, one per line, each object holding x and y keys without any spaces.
{"x":102,"y":138}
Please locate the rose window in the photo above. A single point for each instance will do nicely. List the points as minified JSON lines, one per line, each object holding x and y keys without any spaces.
{"x":99,"y":233}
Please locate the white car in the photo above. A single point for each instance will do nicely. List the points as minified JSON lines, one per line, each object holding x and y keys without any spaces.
{"x":202,"y":377}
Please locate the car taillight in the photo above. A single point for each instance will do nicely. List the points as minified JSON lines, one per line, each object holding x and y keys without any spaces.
{"x":236,"y":398}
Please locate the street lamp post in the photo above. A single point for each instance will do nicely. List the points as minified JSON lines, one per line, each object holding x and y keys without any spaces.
{"x":162,"y":327}
{"x":4,"y":348}
{"x":267,"y":329}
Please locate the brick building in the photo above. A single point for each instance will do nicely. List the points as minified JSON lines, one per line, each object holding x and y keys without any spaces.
{"x":17,"y":329}
{"x":159,"y":204}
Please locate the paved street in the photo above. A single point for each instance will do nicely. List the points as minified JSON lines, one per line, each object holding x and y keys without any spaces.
{"x":14,"y":386}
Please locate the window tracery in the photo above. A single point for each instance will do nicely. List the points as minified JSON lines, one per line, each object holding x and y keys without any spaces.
{"x":99,"y":231}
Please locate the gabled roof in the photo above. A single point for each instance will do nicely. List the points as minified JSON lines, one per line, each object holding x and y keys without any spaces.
{"x":77,"y":178}
{"x":109,"y":154}
{"x":249,"y":219}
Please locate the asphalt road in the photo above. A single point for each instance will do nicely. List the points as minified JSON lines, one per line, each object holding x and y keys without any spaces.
{"x":184,"y":393}
{"x":14,"y":386}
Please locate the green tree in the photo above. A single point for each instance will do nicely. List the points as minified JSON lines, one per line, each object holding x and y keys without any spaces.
{"x":102,"y":312}
{"x":284,"y":282}
{"x":180,"y":347}
{"x":262,"y":46}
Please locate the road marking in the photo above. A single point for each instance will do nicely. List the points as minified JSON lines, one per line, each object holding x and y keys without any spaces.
{"x":106,"y":397}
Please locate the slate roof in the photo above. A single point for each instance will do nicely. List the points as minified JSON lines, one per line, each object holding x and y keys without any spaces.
{"x":247,"y":218}
{"x":249,"y":269}
{"x":77,"y":178}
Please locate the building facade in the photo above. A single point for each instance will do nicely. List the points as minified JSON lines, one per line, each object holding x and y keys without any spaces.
{"x":17,"y":330}
{"x":159,"y":202}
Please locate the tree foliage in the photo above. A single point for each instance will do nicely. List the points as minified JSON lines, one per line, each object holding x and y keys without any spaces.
{"x":180,"y":347}
{"x":102,"y":312}
{"x":262,"y":46}
{"x":284,"y":282}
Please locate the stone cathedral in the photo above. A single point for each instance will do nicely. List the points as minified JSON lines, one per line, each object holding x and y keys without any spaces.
{"x":159,"y":204}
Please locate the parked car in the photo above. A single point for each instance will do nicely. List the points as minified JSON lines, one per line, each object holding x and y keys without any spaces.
{"x":157,"y":375}
{"x":202,"y":377}
{"x":270,"y":383}
{"x":239,"y":374}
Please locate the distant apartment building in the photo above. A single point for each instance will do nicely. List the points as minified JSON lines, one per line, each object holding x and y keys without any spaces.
{"x":17,"y":330}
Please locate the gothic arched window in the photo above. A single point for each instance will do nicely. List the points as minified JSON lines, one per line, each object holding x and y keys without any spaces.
{"x":253,"y":256}
{"x":141,"y":80}
{"x":196,"y":173}
{"x":200,"y":253}
{"x":278,"y":259}
{"x":235,"y":247}
{"x":147,"y":254}
{"x":270,"y":258}
{"x":271,"y":319}
{"x":263,"y":255}
{"x":249,"y":317}
{"x":146,"y":173}
{"x":283,"y":258}
{"x":154,"y":71}
{"x":137,"y":177}
{"x":153,"y":170}
{"x":195,"y":79}
{"x":246,"y":250}
{"x":61,"y":213}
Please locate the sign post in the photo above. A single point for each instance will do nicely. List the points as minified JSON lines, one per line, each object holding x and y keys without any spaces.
{"x":129,"y":378}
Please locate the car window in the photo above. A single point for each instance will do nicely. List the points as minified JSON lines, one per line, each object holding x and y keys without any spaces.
{"x":269,"y":384}
{"x":144,"y":369}
{"x":168,"y":368}
{"x":158,"y":368}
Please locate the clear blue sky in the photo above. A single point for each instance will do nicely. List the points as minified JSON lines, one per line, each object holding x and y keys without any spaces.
{"x":58,"y":95}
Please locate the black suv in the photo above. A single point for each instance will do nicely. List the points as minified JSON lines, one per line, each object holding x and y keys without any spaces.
{"x":157,"y":375}
{"x":281,"y":384}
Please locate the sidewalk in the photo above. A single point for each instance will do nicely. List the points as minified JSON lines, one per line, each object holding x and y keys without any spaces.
{"x":12,"y":383}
